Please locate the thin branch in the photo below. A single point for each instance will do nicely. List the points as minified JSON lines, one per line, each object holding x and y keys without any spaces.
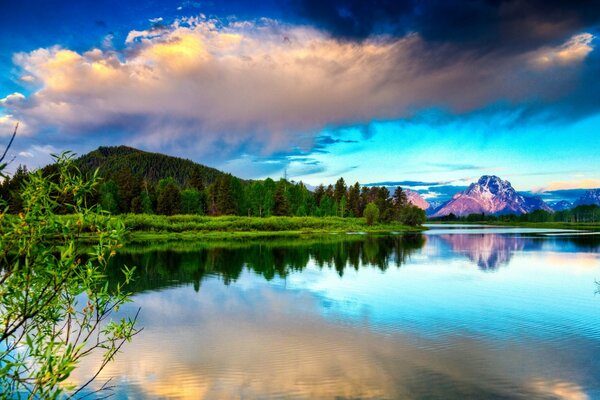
{"x":9,"y":143}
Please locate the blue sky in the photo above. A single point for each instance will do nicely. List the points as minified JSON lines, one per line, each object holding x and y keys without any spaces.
{"x":436,"y":93}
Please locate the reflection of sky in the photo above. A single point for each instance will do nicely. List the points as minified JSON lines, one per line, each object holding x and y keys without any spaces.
{"x":437,"y":326}
{"x":434,"y":294}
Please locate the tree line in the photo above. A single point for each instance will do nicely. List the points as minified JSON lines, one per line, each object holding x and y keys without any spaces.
{"x":123,"y":191}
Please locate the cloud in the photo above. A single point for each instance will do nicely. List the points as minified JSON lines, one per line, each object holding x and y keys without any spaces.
{"x":404,"y":183}
{"x":590,"y":183}
{"x":211,"y":88}
{"x":12,"y":99}
{"x":455,"y":167}
{"x":8,"y":124}
{"x":513,"y":25}
{"x":574,"y":50}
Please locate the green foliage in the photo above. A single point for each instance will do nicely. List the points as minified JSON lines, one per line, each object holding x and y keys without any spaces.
{"x":371,"y":213}
{"x":226,"y":191}
{"x":128,"y":188}
{"x":169,"y":197}
{"x":151,"y":167}
{"x":192,"y":201}
{"x":146,"y":203}
{"x":281,"y":206}
{"x":109,"y":197}
{"x":354,"y":203}
{"x":55,"y":305}
{"x":412,"y":215}
{"x":224,"y":224}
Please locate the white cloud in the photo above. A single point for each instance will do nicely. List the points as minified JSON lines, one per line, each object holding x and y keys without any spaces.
{"x":589,"y":183}
{"x":12,"y":99}
{"x":7,"y":126}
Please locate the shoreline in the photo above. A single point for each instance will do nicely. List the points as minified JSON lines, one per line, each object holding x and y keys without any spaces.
{"x":582,"y":226}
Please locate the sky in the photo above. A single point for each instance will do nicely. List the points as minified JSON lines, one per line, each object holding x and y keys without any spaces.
{"x":425,"y":94}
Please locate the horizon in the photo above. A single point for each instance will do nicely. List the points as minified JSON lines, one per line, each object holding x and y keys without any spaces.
{"x":386,"y":93}
{"x":444,"y":194}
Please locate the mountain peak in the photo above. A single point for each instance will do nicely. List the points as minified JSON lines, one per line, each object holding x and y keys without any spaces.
{"x":485,"y":179}
{"x":490,"y":195}
{"x":494,"y":184}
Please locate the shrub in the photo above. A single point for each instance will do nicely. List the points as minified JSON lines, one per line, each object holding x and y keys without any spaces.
{"x":55,"y":304}
{"x":371,"y":214}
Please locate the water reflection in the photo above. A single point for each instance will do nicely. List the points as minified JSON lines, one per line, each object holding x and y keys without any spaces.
{"x":175,"y":263}
{"x":365,"y":317}
{"x":493,"y":250}
{"x":487,"y":251}
{"x":169,"y":263}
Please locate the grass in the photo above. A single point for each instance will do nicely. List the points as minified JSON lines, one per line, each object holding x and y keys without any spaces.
{"x":144,"y":227}
{"x":192,"y":227}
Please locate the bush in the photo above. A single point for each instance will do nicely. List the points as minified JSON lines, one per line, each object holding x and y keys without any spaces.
{"x":371,"y":214}
{"x":412,"y":216}
{"x":55,"y":304}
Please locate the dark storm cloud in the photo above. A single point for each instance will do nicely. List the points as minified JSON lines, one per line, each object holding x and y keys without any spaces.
{"x":512,"y":23}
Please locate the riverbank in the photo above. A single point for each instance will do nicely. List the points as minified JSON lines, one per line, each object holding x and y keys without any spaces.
{"x":191,"y":227}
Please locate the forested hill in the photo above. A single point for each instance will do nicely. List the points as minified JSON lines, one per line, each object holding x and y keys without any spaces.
{"x":151,"y":167}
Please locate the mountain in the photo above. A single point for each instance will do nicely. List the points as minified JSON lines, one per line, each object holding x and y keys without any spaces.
{"x":416,"y":199}
{"x":561,"y":205}
{"x":151,"y":167}
{"x":490,"y":195}
{"x":591,"y":196}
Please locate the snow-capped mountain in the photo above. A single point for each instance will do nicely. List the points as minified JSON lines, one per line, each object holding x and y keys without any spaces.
{"x":561,"y":205}
{"x":592,"y":196}
{"x":491,"y":195}
{"x":416,"y":199}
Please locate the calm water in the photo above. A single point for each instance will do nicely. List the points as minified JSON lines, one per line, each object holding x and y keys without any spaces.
{"x":452,"y":314}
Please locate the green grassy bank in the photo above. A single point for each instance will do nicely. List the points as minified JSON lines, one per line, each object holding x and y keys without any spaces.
{"x":152,"y":227}
{"x":144,"y":227}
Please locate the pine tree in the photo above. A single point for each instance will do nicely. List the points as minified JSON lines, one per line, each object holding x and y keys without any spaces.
{"x":281,"y":205}
{"x":225,"y":200}
{"x":169,"y":198}
{"x":354,"y":200}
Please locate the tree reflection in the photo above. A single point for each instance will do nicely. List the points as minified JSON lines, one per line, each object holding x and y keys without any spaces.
{"x":170,"y":264}
{"x":179,"y":263}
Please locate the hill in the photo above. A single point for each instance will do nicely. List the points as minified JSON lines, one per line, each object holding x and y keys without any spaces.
{"x":151,"y":167}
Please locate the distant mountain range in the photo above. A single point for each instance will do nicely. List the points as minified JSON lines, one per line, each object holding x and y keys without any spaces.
{"x":561,"y":205}
{"x":590,"y":197}
{"x":492,"y":195}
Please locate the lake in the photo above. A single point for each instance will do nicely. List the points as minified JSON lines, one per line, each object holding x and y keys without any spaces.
{"x":455,"y":313}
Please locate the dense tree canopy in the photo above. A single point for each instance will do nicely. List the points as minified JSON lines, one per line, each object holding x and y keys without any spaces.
{"x":134,"y":181}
